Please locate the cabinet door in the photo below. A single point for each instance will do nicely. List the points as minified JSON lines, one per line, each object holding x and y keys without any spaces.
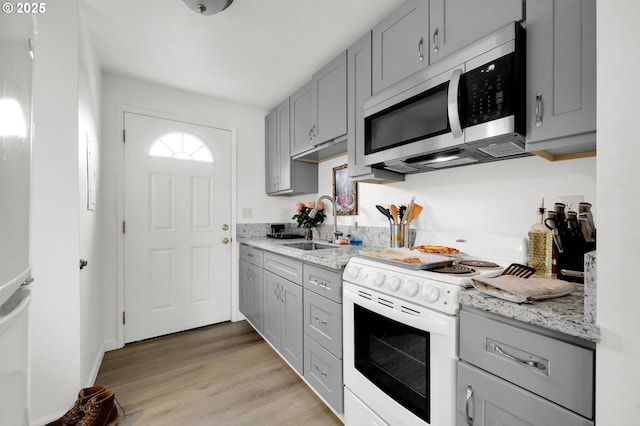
{"x":455,"y":23}
{"x":272,"y":156}
{"x":291,"y":324}
{"x":484,"y":400}
{"x":257,"y":308}
{"x":359,"y":89}
{"x":283,"y":145}
{"x":301,"y":120}
{"x":272,"y":307}
{"x":246,"y":290}
{"x":399,"y":43}
{"x":561,"y":76}
{"x":329,"y":100}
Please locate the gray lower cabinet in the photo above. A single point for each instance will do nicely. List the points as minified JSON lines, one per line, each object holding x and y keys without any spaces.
{"x":517,"y":374}
{"x":323,"y":333}
{"x":486,"y":400}
{"x":283,"y":317}
{"x":561,"y":77}
{"x":250,"y":300}
{"x":300,"y":314}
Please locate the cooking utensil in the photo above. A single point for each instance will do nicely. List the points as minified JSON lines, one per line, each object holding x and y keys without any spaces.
{"x":551,"y":223}
{"x":385,"y":212}
{"x":415,"y":211}
{"x":402,"y":209}
{"x":519,"y":270}
{"x":394,"y":213}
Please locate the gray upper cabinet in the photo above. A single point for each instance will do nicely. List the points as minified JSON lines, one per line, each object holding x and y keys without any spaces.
{"x":561,"y":77}
{"x":329,"y":101}
{"x":399,"y":44}
{"x":455,"y":23}
{"x":284,"y":175}
{"x":359,"y":89}
{"x":301,"y":120}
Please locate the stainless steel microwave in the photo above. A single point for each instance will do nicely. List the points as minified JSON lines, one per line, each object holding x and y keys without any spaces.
{"x":467,"y":108}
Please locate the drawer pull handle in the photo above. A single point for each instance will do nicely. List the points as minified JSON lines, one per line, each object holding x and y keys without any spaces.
{"x":321,"y":284}
{"x":466,"y":405}
{"x":318,"y":320}
{"x":530,"y":363}
{"x":319,"y":371}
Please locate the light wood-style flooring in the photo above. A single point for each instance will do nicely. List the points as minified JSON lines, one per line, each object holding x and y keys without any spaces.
{"x":225,"y":374}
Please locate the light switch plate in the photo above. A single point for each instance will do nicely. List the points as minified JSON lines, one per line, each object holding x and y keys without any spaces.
{"x":571,"y":201}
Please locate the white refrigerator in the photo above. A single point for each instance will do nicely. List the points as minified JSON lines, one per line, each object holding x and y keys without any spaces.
{"x":16,"y":54}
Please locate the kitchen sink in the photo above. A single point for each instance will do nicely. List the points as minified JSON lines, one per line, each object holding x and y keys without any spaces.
{"x":309,"y":245}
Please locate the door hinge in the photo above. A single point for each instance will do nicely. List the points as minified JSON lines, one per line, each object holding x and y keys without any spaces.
{"x":124,"y":317}
{"x":124,"y":136}
{"x":124,"y":227}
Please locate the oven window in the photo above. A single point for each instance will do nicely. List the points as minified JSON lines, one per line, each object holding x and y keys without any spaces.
{"x":417,"y":118}
{"x":395,"y":357}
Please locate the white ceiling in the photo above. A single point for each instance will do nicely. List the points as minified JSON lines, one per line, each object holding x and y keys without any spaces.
{"x":254,"y":53}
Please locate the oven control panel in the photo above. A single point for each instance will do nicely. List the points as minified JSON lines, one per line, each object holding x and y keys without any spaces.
{"x":413,"y":286}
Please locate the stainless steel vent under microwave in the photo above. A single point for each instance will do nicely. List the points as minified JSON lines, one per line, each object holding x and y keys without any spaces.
{"x":467,"y":108}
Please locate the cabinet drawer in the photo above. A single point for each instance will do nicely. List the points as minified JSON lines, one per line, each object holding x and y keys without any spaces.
{"x":283,"y":266}
{"x":324,"y":282}
{"x":251,"y":255}
{"x":323,"y":372}
{"x":489,"y":401}
{"x":556,"y":370}
{"x":323,"y":322}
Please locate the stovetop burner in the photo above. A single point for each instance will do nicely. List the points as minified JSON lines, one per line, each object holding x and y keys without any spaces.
{"x":478,"y":264}
{"x":456,"y":269}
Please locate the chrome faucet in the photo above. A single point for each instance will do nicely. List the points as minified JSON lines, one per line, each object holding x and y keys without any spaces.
{"x":314,"y":211}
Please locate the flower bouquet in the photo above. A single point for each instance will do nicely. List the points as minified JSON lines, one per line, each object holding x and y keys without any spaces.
{"x":302,"y":216}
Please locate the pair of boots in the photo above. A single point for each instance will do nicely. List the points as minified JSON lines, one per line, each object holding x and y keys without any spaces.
{"x":95,"y":406}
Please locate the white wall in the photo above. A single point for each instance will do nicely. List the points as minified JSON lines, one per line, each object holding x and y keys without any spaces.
{"x":500,"y":197}
{"x":119,"y":92}
{"x":91,"y":342}
{"x":618,"y":165}
{"x":55,"y":314}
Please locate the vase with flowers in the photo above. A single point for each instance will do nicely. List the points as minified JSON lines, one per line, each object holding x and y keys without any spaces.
{"x":304,"y":221}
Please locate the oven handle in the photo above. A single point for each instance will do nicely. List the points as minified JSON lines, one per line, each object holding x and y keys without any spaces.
{"x":452,"y":103}
{"x":434,"y":326}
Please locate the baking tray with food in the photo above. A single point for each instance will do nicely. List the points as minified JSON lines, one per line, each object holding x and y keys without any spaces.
{"x":408,"y":258}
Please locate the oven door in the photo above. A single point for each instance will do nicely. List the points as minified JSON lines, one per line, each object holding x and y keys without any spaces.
{"x":399,"y":358}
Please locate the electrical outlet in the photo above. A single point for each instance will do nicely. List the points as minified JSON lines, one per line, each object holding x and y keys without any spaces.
{"x":571,"y":201}
{"x":247,"y":213}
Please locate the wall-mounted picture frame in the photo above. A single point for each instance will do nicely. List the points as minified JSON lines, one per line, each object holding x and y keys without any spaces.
{"x":345,"y":192}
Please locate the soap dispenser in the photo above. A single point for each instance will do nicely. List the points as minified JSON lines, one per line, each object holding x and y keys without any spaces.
{"x":356,"y":239}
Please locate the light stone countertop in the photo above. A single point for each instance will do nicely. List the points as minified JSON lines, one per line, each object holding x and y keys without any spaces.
{"x":335,"y":258}
{"x":564,"y":314}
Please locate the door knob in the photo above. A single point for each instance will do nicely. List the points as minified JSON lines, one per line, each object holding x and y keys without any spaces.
{"x":225,"y":227}
{"x":225,"y":240}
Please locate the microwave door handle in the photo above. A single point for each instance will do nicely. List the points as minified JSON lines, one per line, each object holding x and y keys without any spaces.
{"x":452,"y":104}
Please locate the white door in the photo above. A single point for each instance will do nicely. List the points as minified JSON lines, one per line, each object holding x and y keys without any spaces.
{"x":177,"y":214}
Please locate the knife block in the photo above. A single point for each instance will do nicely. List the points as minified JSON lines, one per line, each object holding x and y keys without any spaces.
{"x":570,"y":263}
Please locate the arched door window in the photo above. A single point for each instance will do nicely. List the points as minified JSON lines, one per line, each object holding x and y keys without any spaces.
{"x":182,"y":146}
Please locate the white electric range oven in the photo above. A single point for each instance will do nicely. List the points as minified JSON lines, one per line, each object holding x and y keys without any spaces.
{"x":400,"y":331}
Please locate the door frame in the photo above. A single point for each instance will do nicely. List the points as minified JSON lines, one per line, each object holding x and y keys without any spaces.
{"x":120,"y":255}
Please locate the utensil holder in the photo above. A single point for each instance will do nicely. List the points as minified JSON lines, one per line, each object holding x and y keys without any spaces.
{"x":396,"y":236}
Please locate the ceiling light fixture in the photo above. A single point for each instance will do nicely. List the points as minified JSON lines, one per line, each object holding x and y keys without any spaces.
{"x":208,"y":7}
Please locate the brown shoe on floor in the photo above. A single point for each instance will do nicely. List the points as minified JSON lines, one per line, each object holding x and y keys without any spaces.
{"x":100,"y":411}
{"x":75,"y":413}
